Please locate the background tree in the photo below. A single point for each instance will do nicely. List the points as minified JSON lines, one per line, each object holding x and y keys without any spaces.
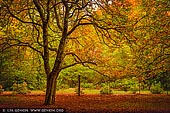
{"x":141,"y":26}
{"x":148,"y":35}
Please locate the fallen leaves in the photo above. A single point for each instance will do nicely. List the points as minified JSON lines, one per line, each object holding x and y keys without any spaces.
{"x":92,"y":103}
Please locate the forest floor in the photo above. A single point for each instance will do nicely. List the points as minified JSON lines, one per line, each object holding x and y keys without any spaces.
{"x":88,"y":103}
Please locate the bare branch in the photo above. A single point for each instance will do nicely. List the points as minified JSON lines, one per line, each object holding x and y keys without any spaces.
{"x":12,"y":15}
{"x":20,"y":43}
{"x":98,"y":71}
{"x":79,"y":24}
{"x":57,"y":19}
{"x":74,"y":56}
{"x":39,"y":8}
{"x":83,"y":63}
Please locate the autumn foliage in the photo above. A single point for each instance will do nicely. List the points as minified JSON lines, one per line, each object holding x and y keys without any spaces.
{"x":47,"y":44}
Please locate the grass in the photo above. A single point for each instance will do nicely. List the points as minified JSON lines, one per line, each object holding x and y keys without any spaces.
{"x":86,"y":91}
{"x":91,"y":91}
{"x":95,"y":91}
{"x":70,"y":90}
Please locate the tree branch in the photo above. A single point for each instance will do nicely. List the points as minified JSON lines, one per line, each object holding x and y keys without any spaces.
{"x":83,"y":63}
{"x":79,"y":24}
{"x":57,"y":19}
{"x":20,"y":43}
{"x":38,"y":6}
{"x":12,"y":15}
{"x":98,"y":72}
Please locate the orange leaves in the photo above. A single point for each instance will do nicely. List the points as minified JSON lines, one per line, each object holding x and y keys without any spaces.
{"x":92,"y":103}
{"x":85,"y":43}
{"x":134,"y":2}
{"x":16,"y":1}
{"x":168,"y":13}
{"x":135,"y":11}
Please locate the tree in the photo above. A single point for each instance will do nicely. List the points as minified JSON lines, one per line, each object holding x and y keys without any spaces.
{"x":52,"y":24}
{"x":143,"y":27}
{"x":147,"y":36}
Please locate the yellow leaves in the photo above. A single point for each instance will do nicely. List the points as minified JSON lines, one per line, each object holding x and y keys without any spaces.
{"x":134,"y":2}
{"x":15,"y":30}
{"x":98,"y":13}
{"x":2,"y":33}
{"x":135,"y":11}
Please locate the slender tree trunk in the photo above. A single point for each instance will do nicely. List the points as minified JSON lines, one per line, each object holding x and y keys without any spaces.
{"x":79,"y":85}
{"x":139,"y":86}
{"x":50,"y":90}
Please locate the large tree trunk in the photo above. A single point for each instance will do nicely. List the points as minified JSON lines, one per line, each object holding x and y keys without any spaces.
{"x":50,"y":90}
{"x":51,"y":78}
